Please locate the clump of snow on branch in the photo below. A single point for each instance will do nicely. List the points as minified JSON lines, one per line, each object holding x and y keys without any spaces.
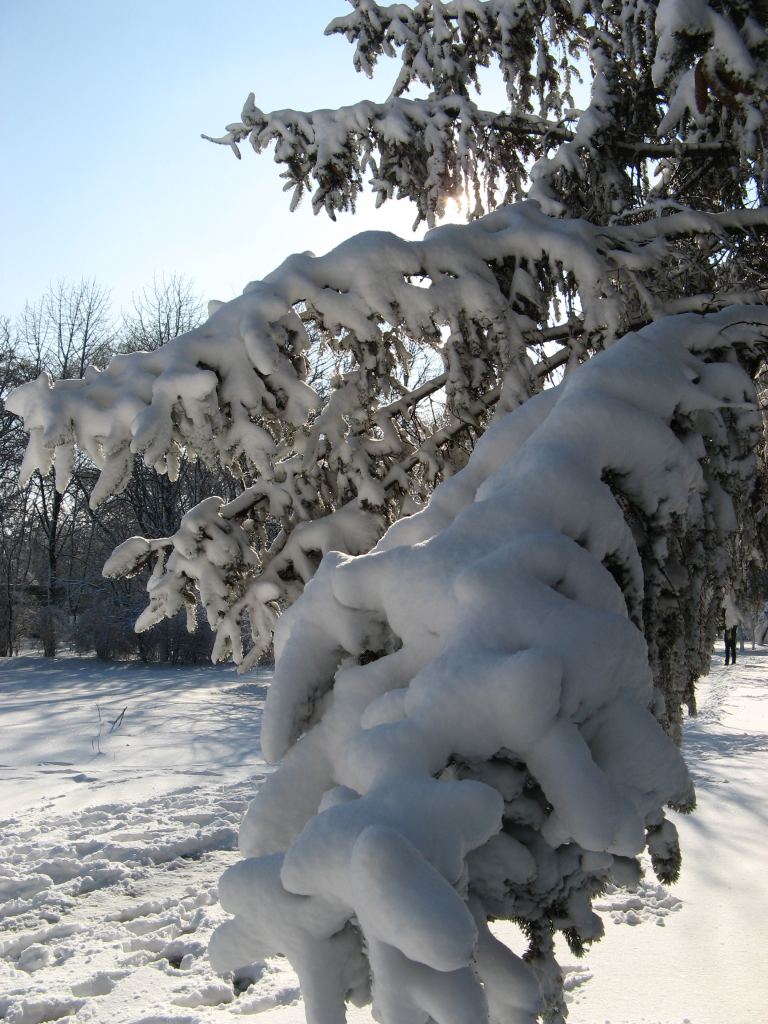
{"x":467,"y":715}
{"x":731,"y":72}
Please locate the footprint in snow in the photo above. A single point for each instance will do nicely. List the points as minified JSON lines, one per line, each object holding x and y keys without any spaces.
{"x":651,"y":901}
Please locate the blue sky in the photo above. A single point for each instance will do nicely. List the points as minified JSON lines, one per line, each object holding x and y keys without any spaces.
{"x":104,"y":173}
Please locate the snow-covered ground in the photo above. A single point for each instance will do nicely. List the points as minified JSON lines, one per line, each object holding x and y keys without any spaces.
{"x":112,"y":840}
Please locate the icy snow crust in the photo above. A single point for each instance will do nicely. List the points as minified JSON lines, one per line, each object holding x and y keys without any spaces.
{"x":109,"y":865}
{"x":478,"y":729}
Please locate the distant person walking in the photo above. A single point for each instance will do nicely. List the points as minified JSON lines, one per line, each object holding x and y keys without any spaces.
{"x":730,"y":644}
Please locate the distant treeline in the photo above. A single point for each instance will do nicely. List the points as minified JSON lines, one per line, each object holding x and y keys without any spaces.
{"x":53,"y":546}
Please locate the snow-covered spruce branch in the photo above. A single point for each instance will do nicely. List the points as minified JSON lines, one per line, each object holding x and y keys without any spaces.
{"x":211,"y":549}
{"x":443,"y":46}
{"x":693,"y":222}
{"x":233,"y":391}
{"x":701,"y":75}
{"x":682,"y":150}
{"x":427,"y":151}
{"x":711,"y":301}
{"x":207,"y":390}
{"x":700,"y":56}
{"x":480,"y":700}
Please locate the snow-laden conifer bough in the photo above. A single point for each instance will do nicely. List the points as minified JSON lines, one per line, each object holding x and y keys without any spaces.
{"x":481,"y":731}
{"x":476,"y":709}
